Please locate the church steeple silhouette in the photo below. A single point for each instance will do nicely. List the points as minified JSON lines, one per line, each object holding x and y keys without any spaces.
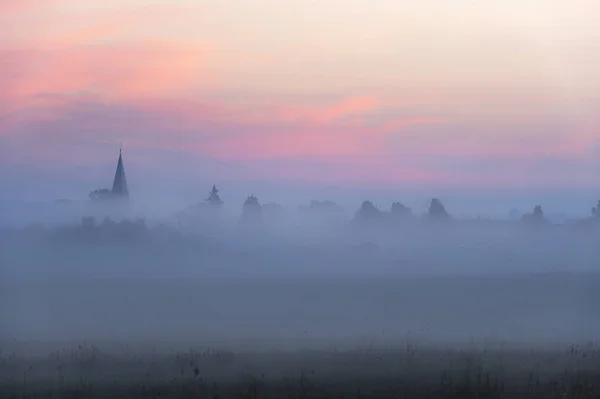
{"x":120,"y":183}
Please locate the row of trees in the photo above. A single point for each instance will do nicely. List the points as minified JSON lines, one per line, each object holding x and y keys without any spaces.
{"x":254,"y":214}
{"x":367,"y":213}
{"x":252,"y":210}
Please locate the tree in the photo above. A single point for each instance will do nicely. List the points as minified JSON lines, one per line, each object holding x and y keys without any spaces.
{"x":251,"y":204}
{"x":536,"y":217}
{"x":213,"y":197}
{"x":437,"y":210}
{"x":251,"y":211}
{"x":367,"y":212}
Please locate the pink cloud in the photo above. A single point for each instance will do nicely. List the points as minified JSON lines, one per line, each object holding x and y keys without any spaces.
{"x":330,"y":112}
{"x":323,"y":143}
{"x":267,"y":132}
{"x":398,"y":124}
{"x":215,"y":130}
{"x":149,"y":96}
{"x":10,"y":6}
{"x":110,"y":72}
{"x":502,"y":147}
{"x":253,"y":133}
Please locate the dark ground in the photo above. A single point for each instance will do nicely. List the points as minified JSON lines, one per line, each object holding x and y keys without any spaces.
{"x":409,"y":372}
{"x":297,"y":337}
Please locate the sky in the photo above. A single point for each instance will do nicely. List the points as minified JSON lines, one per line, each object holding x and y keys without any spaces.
{"x":478,"y":95}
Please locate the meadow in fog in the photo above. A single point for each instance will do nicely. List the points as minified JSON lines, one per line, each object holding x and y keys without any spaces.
{"x":311,"y":274}
{"x":315,"y":279}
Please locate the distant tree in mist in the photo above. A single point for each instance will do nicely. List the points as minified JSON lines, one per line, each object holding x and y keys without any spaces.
{"x":203,"y":215}
{"x":437,"y":210}
{"x":252,"y":204}
{"x":251,"y":211}
{"x":367,"y":213}
{"x":214,"y":199}
{"x":536,"y":217}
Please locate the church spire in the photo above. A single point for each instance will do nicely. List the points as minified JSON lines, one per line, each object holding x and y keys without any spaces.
{"x":120,"y":183}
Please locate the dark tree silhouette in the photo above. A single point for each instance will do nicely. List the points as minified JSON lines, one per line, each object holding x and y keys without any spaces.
{"x":437,"y":211}
{"x":251,"y":211}
{"x":536,"y":217}
{"x":367,"y":213}
{"x":251,"y":204}
{"x":213,"y":197}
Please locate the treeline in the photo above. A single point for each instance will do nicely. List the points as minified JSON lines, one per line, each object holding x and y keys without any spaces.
{"x":253,"y":212}
{"x":209,"y":216}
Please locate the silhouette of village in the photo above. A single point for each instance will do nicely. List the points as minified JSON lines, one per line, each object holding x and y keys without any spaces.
{"x":257,"y":215}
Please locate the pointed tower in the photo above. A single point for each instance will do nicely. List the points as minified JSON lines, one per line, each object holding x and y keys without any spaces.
{"x":120,"y":183}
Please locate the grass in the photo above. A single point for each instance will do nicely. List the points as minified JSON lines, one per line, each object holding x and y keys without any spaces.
{"x":408,"y":372}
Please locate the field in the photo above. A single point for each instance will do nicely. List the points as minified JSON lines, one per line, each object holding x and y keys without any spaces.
{"x":410,"y":372}
{"x":512,"y":336}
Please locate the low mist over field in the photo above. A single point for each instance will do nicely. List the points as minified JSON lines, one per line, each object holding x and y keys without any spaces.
{"x":312,"y":276}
